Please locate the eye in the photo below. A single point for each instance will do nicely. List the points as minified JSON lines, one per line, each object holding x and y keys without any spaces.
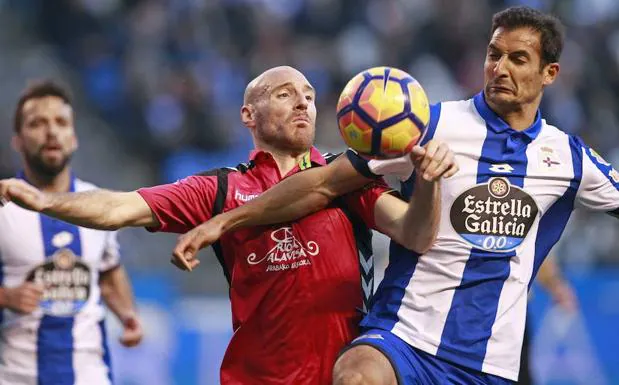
{"x":494,"y":56}
{"x":309,"y":98}
{"x":519,"y":60}
{"x":283,"y":94}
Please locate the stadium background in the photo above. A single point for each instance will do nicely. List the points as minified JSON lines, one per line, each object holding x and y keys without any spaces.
{"x":158,"y":85}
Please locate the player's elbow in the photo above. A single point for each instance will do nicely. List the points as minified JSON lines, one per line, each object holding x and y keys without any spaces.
{"x":419,"y":243}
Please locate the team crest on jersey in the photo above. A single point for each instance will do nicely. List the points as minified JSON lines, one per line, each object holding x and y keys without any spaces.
{"x":288,"y":252}
{"x":494,"y":216}
{"x":548,"y":159}
{"x":66,"y":280}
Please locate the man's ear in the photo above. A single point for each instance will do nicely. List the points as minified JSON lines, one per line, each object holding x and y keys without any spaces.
{"x":248,"y":115}
{"x":550,"y":73}
{"x":17,"y":143}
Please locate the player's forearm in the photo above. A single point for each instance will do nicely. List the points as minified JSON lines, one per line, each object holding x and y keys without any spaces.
{"x":117,"y":293}
{"x":296,"y":196}
{"x":422,"y":218}
{"x":549,"y":275}
{"x":99,"y":209}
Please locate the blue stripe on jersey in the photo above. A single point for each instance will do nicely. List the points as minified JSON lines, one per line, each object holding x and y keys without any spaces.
{"x":475,"y":302}
{"x":553,"y":222}
{"x":55,"y":335}
{"x":388,"y":298}
{"x":407,"y":187}
{"x":107,"y":360}
{"x":435,"y":114}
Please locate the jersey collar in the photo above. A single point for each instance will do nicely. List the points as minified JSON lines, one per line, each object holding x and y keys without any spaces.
{"x":498,"y":125}
{"x":22,"y":175}
{"x":313,"y":156}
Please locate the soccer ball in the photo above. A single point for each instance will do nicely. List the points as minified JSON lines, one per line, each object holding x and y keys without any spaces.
{"x":382,"y":112}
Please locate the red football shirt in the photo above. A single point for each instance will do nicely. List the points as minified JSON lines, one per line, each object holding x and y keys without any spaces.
{"x":295,"y":287}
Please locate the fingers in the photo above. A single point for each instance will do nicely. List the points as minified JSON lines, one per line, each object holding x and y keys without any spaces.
{"x":431,"y":148}
{"x":438,"y":161}
{"x":4,"y":191}
{"x":451,"y":170}
{"x":184,"y":252}
{"x":418,"y":153}
{"x":435,"y":163}
{"x":188,"y":245}
{"x":130,"y":339}
{"x":24,"y":298}
{"x":185,"y":265}
{"x":21,"y":193}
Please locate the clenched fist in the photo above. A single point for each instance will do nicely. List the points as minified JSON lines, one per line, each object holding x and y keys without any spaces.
{"x":22,"y":299}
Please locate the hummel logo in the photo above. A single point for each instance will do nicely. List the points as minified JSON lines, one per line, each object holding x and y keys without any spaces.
{"x":502,"y":168}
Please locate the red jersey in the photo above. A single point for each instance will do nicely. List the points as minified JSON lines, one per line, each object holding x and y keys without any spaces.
{"x":294,"y":287}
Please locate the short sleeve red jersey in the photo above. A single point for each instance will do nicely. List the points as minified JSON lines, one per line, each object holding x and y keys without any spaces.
{"x":294,"y":287}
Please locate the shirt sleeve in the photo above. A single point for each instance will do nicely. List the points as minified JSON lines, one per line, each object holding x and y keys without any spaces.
{"x":362,"y":201}
{"x":401,"y":167}
{"x":182,"y":205}
{"x":111,"y":252}
{"x":599,"y":187}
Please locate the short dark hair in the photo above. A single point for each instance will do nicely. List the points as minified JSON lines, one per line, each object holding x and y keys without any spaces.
{"x":550,"y":28}
{"x":36,"y":90}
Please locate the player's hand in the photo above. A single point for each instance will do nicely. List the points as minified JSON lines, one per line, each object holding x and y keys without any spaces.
{"x":563,"y":295}
{"x":23,"y":299}
{"x":132,"y":331}
{"x":433,"y":161}
{"x":188,"y":244}
{"x":22,"y":194}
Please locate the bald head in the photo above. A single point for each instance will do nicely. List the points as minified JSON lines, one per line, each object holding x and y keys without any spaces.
{"x":268,"y":80}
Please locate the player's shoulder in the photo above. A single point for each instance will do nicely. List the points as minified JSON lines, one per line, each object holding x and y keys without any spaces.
{"x":551,"y":132}
{"x":454,"y":109}
{"x":214,"y":172}
{"x":330,"y":156}
{"x":82,"y":185}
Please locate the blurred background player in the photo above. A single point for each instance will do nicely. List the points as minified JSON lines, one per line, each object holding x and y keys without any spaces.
{"x":552,"y":281}
{"x":55,"y":275}
{"x":295,"y":288}
{"x":456,"y":314}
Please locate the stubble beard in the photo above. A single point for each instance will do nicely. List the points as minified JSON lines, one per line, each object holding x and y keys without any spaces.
{"x":44,"y":169}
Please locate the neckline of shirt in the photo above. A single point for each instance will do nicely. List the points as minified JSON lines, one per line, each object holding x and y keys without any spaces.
{"x":498,"y":125}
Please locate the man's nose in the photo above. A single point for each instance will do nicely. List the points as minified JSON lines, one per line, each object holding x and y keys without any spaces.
{"x":302,"y":101}
{"x":500,"y":68}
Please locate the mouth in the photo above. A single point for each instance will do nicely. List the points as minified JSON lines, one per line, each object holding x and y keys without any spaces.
{"x":498,"y":88}
{"x":301,"y":118}
{"x":51,"y":148}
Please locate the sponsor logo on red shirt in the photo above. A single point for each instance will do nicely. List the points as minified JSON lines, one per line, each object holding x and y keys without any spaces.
{"x":288,"y":252}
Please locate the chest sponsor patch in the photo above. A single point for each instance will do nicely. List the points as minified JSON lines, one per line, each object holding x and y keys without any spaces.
{"x":67,"y":283}
{"x":494,"y":216}
{"x":288,"y":252}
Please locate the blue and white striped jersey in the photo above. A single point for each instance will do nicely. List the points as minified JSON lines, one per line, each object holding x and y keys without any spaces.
{"x":465,"y":300}
{"x":63,"y":342}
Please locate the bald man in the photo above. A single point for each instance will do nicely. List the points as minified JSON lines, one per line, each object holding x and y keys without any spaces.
{"x":295,"y":288}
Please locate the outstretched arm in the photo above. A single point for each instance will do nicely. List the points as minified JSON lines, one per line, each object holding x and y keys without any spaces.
{"x":312,"y":190}
{"x":98,"y":209}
